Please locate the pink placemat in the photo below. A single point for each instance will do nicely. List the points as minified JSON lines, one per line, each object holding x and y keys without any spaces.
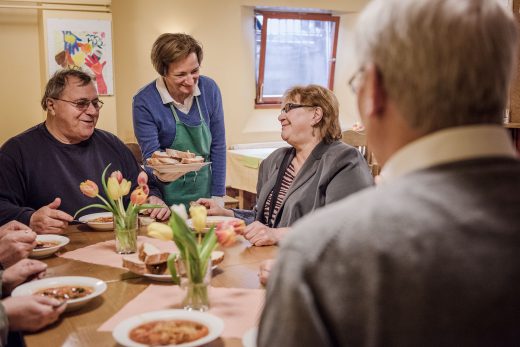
{"x":103,"y":253}
{"x":239,"y":308}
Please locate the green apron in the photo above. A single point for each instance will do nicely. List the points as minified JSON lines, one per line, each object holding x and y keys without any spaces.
{"x":193,"y":185}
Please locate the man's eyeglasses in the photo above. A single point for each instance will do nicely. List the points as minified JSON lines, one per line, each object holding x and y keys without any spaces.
{"x":290,"y":106}
{"x":353,"y":82}
{"x":83,"y":104}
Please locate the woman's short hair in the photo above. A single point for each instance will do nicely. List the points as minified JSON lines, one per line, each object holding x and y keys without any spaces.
{"x":315,"y":95}
{"x":56,"y":85}
{"x":169,"y":48}
{"x":444,"y":63}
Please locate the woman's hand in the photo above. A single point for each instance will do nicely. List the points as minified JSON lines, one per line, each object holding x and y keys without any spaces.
{"x":214,"y":209}
{"x":261,"y":235}
{"x":159,"y":213}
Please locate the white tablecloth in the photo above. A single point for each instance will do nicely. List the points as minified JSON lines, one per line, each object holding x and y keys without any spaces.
{"x":242,"y":167}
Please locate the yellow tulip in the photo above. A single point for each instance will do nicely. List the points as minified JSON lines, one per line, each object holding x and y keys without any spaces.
{"x":160,"y":231}
{"x":124,"y":187}
{"x":198,"y":217}
{"x":113,"y":188}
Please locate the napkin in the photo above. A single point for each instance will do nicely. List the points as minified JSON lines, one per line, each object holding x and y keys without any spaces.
{"x":239,"y":308}
{"x":104,"y":253}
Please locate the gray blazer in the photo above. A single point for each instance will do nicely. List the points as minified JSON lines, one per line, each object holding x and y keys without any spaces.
{"x":332,"y":172}
{"x":430,"y":259}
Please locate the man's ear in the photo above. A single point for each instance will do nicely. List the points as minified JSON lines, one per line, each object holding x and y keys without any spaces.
{"x":50,"y":106}
{"x":376,"y":97}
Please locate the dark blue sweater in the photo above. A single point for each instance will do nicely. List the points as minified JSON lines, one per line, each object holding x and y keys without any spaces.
{"x":154,"y":125}
{"x":35,"y":168}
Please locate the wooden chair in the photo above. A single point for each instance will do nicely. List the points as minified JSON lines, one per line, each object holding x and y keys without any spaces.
{"x":136,"y":151}
{"x":358,"y":140}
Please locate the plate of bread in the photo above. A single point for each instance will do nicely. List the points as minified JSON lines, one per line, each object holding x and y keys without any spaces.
{"x":172,"y":161}
{"x":150,"y":262}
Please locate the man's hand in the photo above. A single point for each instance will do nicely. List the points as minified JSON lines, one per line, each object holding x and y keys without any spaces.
{"x":20,"y":272}
{"x":159,"y":213}
{"x":265,"y":270}
{"x":261,"y":235}
{"x":12,"y":226}
{"x":50,"y":220}
{"x":31,"y":313}
{"x":214,"y":209}
{"x":16,"y":245}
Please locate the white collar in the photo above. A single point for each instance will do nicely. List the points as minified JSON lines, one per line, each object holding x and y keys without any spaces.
{"x":165,"y":95}
{"x":449,"y":145}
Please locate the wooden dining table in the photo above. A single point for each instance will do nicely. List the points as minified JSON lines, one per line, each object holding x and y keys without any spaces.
{"x":79,"y":328}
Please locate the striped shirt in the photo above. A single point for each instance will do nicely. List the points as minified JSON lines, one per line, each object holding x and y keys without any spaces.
{"x":287,"y":180}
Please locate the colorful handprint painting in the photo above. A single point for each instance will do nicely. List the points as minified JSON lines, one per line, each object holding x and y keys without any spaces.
{"x":86,"y":44}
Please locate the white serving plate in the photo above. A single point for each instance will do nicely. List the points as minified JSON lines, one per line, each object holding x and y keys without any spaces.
{"x":249,"y":338}
{"x":47,"y":252}
{"x":97,"y":225}
{"x":32,"y":287}
{"x":215,"y":326}
{"x":212,"y":219}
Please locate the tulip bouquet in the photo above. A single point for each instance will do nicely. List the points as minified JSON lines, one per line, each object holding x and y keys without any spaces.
{"x":194,"y":253}
{"x":125,"y":219}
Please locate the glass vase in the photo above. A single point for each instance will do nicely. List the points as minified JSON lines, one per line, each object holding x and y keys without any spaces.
{"x":125,"y":228}
{"x":195,"y":281}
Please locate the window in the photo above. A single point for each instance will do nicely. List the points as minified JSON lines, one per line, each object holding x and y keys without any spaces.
{"x":293,"y":48}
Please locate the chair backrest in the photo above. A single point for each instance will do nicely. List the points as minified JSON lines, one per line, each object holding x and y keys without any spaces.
{"x":136,"y":151}
{"x":358,"y":140}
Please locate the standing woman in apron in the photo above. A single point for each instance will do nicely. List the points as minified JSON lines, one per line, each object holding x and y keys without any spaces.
{"x":182,"y":110}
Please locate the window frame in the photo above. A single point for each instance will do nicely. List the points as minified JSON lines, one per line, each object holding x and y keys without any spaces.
{"x":275,"y":102}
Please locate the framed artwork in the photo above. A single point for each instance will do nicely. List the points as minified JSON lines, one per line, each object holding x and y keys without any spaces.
{"x":83,"y":43}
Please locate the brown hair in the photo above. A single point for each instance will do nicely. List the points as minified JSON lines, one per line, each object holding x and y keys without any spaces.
{"x":58,"y":82}
{"x":169,"y":48}
{"x":319,"y":96}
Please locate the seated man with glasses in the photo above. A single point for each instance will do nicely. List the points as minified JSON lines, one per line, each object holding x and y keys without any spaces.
{"x":43,"y":166}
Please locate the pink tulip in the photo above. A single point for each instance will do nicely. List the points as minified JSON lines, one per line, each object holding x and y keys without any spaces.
{"x":142,"y":179}
{"x":138,"y":196}
{"x":226,"y":235}
{"x":89,"y":188}
{"x":117,"y":175}
{"x":146,"y":189}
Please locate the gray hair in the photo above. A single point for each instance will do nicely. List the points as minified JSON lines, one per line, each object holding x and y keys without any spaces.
{"x":445,"y":63}
{"x":56,"y":85}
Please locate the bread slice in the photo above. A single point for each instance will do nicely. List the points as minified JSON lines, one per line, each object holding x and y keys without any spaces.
{"x":197,"y":159}
{"x":134,"y":264}
{"x":168,"y":161}
{"x":159,"y":154}
{"x":151,"y":255}
{"x":173,"y":153}
{"x":217,"y":257}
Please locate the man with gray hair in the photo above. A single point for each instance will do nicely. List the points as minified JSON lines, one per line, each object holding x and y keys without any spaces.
{"x":431,"y":256}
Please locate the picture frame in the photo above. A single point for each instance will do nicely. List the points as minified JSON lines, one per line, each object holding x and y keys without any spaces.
{"x":81,"y":43}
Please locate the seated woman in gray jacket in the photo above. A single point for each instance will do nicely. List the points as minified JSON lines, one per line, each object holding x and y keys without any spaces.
{"x":316,"y":170}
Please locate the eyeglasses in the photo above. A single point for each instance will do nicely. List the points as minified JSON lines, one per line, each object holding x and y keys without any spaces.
{"x":353,"y":82}
{"x":83,"y":104}
{"x":290,"y":106}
